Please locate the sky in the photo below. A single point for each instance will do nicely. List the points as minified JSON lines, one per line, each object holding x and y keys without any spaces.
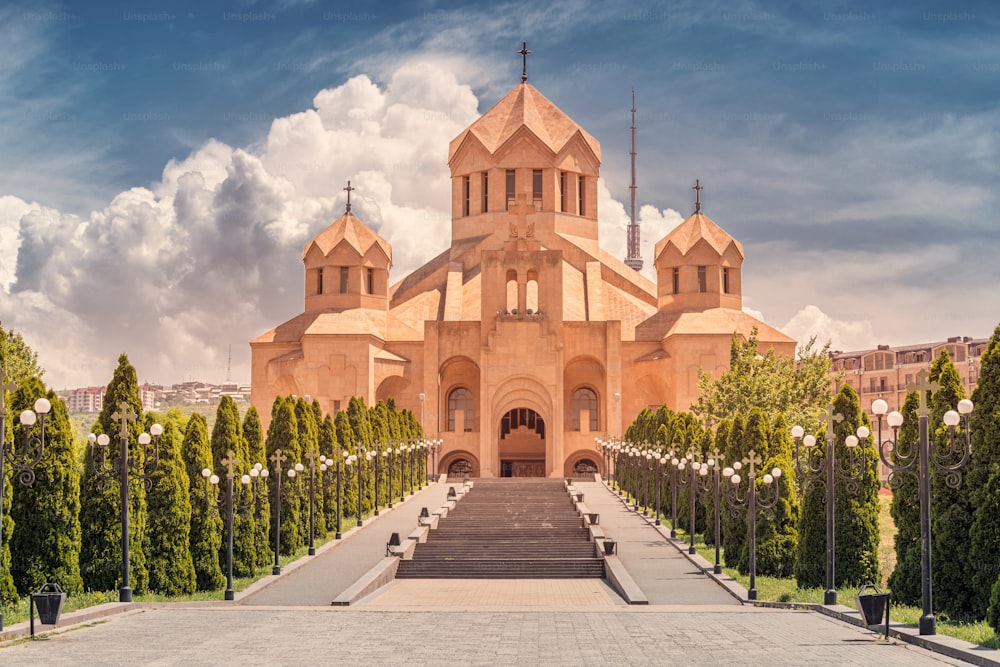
{"x":162,"y":164}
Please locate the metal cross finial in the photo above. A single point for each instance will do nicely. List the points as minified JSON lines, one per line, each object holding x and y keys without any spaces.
{"x":349,"y":190}
{"x":922,"y":386}
{"x":697,"y":195}
{"x":124,"y":415}
{"x":524,"y":53}
{"x":830,"y":417}
{"x":4,"y":386}
{"x":230,"y":462}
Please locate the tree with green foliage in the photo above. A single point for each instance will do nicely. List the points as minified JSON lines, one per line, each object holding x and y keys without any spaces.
{"x":17,"y":358}
{"x":329,"y":448}
{"x":168,"y":506}
{"x":982,"y":480}
{"x":100,"y":505}
{"x":206,"y":525}
{"x":734,"y":528}
{"x":253,"y":433}
{"x":349,"y":483}
{"x":777,"y":530}
{"x":798,"y":387}
{"x":718,"y":444}
{"x":951,"y":507}
{"x":283,"y":434}
{"x":905,"y":509}
{"x":305,"y":418}
{"x":8,"y":592}
{"x":45,"y":544}
{"x":856,"y":506}
{"x":227,"y":436}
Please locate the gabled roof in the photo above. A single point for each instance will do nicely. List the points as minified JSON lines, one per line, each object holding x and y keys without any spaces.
{"x":524,"y":106}
{"x":355,"y":232}
{"x":697,"y":227}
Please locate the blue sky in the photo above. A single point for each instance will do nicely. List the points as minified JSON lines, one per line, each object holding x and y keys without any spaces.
{"x":852,"y":149}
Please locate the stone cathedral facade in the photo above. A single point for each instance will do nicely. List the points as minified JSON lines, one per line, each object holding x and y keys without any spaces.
{"x":523,"y":340}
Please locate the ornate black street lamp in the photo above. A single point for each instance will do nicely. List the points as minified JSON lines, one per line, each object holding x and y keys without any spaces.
{"x":355,"y":460}
{"x":277,"y":458}
{"x":231,"y":505}
{"x":311,"y":455}
{"x":386,"y":455}
{"x":22,"y":460}
{"x":434,"y":446}
{"x":340,"y":513}
{"x":928,"y":453}
{"x":400,"y":457}
{"x":714,"y":466}
{"x":141,"y":466}
{"x":693,"y":481}
{"x":660,"y":462}
{"x":825,"y":470}
{"x":674,"y":462}
{"x":751,"y":499}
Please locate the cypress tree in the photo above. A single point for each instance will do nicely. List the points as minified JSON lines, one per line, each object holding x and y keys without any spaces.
{"x":349,"y":483}
{"x":206,"y":525}
{"x":305,"y":418}
{"x":171,"y":568}
{"x":328,"y":448}
{"x":8,"y":592}
{"x":45,"y":547}
{"x":718,"y":443}
{"x":777,"y":532}
{"x":982,"y":479}
{"x":734,"y":528}
{"x":283,"y":434}
{"x":905,"y":509}
{"x":951,"y":508}
{"x":227,"y":435}
{"x":100,"y":505}
{"x":253,"y":433}
{"x":856,"y":507}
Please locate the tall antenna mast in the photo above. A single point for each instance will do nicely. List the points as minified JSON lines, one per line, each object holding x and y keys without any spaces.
{"x":634,"y":258}
{"x":229,"y":365}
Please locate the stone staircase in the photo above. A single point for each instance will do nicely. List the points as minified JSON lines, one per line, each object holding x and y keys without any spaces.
{"x":508,"y":528}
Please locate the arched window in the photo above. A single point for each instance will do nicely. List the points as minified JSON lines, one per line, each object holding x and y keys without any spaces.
{"x":584,"y":398}
{"x":531,"y":294}
{"x":512,"y":291}
{"x":460,"y":399}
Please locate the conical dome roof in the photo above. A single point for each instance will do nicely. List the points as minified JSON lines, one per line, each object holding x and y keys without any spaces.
{"x":524,"y":106}
{"x":355,"y":232}
{"x":697,"y":227}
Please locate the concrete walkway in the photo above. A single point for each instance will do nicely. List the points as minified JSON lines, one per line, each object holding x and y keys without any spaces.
{"x":658,"y":567}
{"x":318,"y":579}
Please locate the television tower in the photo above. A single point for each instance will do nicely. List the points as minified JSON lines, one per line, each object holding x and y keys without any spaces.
{"x":634,"y":258}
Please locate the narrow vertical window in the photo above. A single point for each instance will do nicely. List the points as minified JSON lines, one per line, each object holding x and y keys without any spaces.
{"x":511,"y":188}
{"x":536,"y":188}
{"x":562,"y":191}
{"x":580,"y":198}
{"x":702,"y":279}
{"x":465,"y":195}
{"x":725,"y":279}
{"x":486,"y":191}
{"x":343,"y":279}
{"x":677,"y":280}
{"x":371,"y":281}
{"x":319,"y":281}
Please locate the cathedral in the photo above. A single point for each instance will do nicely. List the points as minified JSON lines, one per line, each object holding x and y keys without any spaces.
{"x":523,"y":340}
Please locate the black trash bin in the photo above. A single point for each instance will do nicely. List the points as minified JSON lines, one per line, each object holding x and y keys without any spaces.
{"x":48,"y":600}
{"x":873,"y":605}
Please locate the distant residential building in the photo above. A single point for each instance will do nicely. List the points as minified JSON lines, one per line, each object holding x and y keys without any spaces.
{"x":885,"y":371}
{"x":155,"y":396}
{"x":85,"y":399}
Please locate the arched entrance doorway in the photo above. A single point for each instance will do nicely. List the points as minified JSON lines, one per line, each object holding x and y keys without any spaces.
{"x":522,"y":444}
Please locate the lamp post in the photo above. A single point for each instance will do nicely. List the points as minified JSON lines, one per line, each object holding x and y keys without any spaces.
{"x":377,"y":457}
{"x":341,"y":460}
{"x":23,"y":460}
{"x":311,"y":455}
{"x":141,"y":466}
{"x":927,"y":453}
{"x":714,"y":466}
{"x":400,"y":456}
{"x":277,"y":457}
{"x":648,"y":471}
{"x":433,"y":446}
{"x":355,"y":459}
{"x":751,"y":499}
{"x":693,"y":483}
{"x":660,"y":462}
{"x":232,"y":505}
{"x":674,"y":462}
{"x":826,"y":471}
{"x":388,"y":471}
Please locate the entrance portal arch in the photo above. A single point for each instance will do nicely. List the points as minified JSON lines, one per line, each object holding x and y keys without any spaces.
{"x":522,"y":412}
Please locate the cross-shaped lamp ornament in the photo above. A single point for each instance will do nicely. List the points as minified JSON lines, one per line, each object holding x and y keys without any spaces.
{"x":752,"y":498}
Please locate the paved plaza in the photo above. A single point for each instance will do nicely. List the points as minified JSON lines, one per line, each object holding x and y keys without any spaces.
{"x":288,"y":620}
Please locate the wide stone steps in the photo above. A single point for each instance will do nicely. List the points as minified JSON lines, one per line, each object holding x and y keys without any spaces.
{"x":508,"y":529}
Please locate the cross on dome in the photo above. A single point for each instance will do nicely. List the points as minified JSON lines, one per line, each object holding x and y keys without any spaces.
{"x":698,"y":187}
{"x":524,"y":53}
{"x":348,"y":190}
